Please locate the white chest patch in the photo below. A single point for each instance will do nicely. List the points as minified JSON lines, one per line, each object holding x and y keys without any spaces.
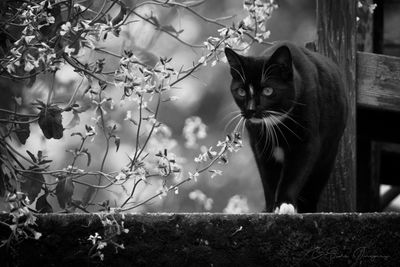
{"x":279,"y":154}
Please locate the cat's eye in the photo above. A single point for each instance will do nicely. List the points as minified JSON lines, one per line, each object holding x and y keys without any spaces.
{"x":241,"y":92}
{"x":267,"y":91}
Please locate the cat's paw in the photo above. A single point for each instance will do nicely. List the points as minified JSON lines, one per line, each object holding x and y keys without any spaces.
{"x":285,"y":208}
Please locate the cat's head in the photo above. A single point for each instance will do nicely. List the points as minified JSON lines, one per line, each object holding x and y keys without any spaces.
{"x":262,"y":86}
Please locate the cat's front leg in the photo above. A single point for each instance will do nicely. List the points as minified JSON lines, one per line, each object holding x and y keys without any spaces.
{"x":270,"y":172}
{"x":298,"y":165}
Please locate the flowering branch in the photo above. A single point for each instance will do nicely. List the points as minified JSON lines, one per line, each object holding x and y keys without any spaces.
{"x":39,"y":41}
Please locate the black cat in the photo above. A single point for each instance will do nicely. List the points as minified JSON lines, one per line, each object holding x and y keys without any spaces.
{"x":293,"y":104}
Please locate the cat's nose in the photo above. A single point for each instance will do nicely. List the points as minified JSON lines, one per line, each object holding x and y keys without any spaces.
{"x":250,"y":113}
{"x":251,"y":106}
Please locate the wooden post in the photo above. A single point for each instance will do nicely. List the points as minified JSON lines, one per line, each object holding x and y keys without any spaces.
{"x":336,"y":29}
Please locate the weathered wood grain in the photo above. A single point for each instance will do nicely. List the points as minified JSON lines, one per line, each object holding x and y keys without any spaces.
{"x":378,"y":81}
{"x":336,"y":29}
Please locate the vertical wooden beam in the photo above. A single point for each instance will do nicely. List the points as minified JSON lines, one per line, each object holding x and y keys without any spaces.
{"x":336,"y":29}
{"x":365,"y":28}
{"x":367,"y":192}
{"x":378,"y":27}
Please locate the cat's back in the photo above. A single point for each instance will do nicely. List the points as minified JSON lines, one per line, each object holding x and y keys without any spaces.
{"x":308,"y":62}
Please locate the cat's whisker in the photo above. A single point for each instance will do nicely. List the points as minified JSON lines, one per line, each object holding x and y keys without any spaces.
{"x":265,"y":73}
{"x":261,"y":135}
{"x":235,"y":112}
{"x":277,"y":122}
{"x":273,"y":112}
{"x":276,"y":115}
{"x":240,"y":74}
{"x":298,"y":103}
{"x":271,"y":135}
{"x":284,"y":115}
{"x":267,"y":137}
{"x":237,"y":125}
{"x":231,"y":121}
{"x":243,"y":125}
{"x":274,"y":131}
{"x":296,"y":122}
{"x":262,"y":71}
{"x":290,"y":130}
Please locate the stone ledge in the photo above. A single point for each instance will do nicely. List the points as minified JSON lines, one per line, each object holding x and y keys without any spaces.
{"x":195,"y":239}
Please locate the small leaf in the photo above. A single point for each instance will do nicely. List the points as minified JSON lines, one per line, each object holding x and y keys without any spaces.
{"x":42,"y":205}
{"x":18,"y":100}
{"x":32,"y":185}
{"x":39,"y":155}
{"x":50,"y":121}
{"x":64,"y":192}
{"x":145,"y":56}
{"x":39,"y":103}
{"x":85,"y":151}
{"x":154,"y":19}
{"x":42,"y":162}
{"x":223,"y":159}
{"x":87,"y":196}
{"x":22,"y":130}
{"x":210,"y":155}
{"x":168,"y":28}
{"x":117,"y":142}
{"x":32,"y":156}
{"x":4,"y":183}
{"x":120,"y":15}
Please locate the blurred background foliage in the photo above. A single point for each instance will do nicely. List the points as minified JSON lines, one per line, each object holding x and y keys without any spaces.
{"x":206,"y":95}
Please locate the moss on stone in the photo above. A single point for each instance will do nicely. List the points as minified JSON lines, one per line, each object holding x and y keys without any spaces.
{"x":216,"y":240}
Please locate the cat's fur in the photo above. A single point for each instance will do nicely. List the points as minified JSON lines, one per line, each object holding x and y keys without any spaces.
{"x":294,"y":131}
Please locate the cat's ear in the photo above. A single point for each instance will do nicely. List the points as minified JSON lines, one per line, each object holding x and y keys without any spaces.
{"x":282,"y":56}
{"x":235,"y":62}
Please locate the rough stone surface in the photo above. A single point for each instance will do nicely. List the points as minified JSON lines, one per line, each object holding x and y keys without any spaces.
{"x":214,"y":240}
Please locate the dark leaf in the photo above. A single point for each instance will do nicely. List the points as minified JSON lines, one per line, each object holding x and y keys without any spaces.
{"x":42,"y":205}
{"x":32,"y":78}
{"x":103,"y":85}
{"x":223,"y":159}
{"x":4,"y":183}
{"x":154,"y":19}
{"x":32,"y":156}
{"x":32,"y":185}
{"x":74,"y":205}
{"x":171,"y":29}
{"x":117,"y":141}
{"x":87,"y":196}
{"x":39,"y":155}
{"x":18,"y":100}
{"x":39,"y":103}
{"x":146,"y":57}
{"x":64,"y":192}
{"x":120,"y":15}
{"x":86,"y":152}
{"x":50,"y":121}
{"x":22,"y":130}
{"x":42,"y":162}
